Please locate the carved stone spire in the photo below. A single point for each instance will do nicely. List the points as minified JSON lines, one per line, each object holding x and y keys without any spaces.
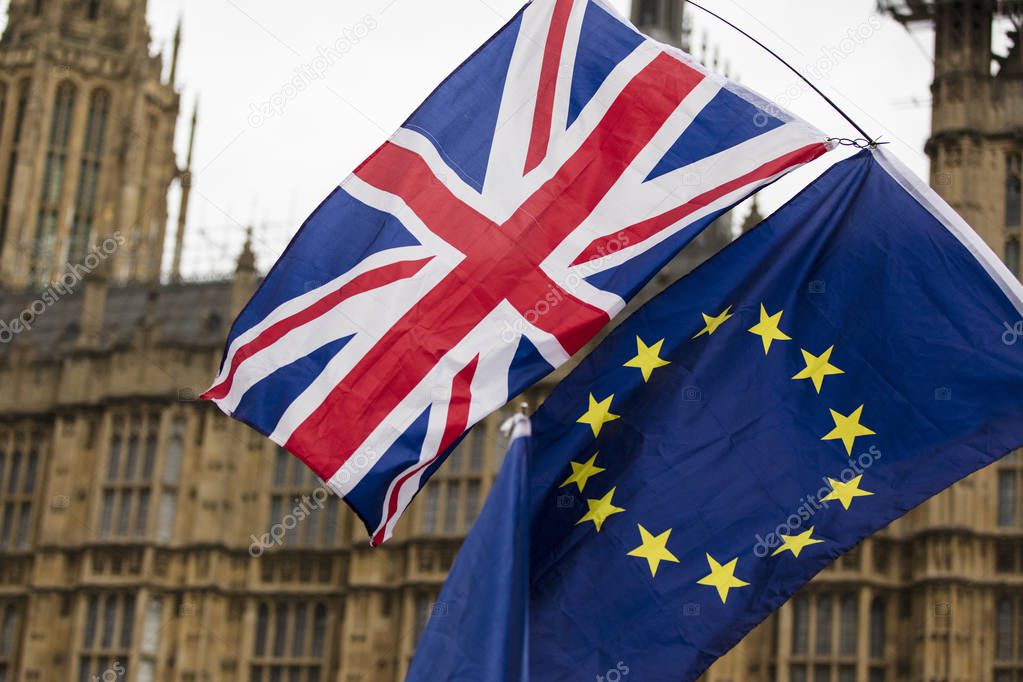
{"x":174,"y":55}
{"x":185,"y":178}
{"x":246,"y":276}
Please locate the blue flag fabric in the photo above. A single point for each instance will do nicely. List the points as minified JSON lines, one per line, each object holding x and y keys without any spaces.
{"x":825,"y":374}
{"x":478,"y":628}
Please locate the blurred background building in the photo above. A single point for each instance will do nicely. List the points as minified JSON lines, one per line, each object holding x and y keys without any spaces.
{"x":145,"y":536}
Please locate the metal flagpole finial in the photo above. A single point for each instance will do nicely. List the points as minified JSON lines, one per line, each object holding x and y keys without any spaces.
{"x":508,"y":428}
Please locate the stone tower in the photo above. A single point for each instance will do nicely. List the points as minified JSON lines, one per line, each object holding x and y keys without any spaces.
{"x":662,"y":19}
{"x":975,"y":144}
{"x":87,"y":123}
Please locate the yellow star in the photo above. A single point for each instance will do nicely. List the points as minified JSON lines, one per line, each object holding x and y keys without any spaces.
{"x":818,"y":367}
{"x":845,"y":492}
{"x":797,"y":543}
{"x":714,"y":322}
{"x":600,"y":510}
{"x":654,"y":549}
{"x":848,"y":429}
{"x":722,"y":577}
{"x":767,"y":328}
{"x":581,"y":473}
{"x":598,"y":414}
{"x":648,"y":358}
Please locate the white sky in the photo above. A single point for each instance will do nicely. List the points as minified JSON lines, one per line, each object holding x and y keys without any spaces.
{"x":240,"y":53}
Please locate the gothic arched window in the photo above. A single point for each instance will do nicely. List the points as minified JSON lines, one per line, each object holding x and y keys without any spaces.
{"x":53,"y":180}
{"x":290,"y":481}
{"x":878,"y":629}
{"x":290,"y":635}
{"x":800,"y":624}
{"x":129,"y":489}
{"x":10,"y":623}
{"x":108,"y":635}
{"x":1013,"y":189}
{"x":89,"y":174}
{"x":3,"y":113}
{"x":1008,"y":641}
{"x":1003,"y":630}
{"x":1010,"y":477}
{"x":12,"y":157}
{"x":848,"y":629}
{"x":824,"y":638}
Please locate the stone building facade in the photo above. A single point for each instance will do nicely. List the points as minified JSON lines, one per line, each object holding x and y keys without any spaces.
{"x":144,"y":536}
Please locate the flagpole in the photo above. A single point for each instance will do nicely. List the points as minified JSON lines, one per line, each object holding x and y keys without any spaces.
{"x":867,"y":139}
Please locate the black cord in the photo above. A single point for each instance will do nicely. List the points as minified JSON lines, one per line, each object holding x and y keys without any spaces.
{"x":866,"y":141}
{"x":859,"y":142}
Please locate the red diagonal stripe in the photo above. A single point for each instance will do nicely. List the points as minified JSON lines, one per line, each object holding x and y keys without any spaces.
{"x":457,"y":421}
{"x":405,"y":174}
{"x":552,"y":308}
{"x":395,"y":365}
{"x":543,"y":115}
{"x":272,"y":334}
{"x":642,"y":231}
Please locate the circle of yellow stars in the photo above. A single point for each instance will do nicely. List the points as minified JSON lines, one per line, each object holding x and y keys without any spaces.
{"x":654,"y":548}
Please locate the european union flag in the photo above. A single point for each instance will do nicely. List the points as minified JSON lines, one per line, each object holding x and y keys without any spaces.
{"x":825,"y":374}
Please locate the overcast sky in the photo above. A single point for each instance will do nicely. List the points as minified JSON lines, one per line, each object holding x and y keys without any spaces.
{"x":272,"y":171}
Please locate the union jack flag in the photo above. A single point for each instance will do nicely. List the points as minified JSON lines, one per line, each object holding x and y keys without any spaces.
{"x":489,"y":239}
